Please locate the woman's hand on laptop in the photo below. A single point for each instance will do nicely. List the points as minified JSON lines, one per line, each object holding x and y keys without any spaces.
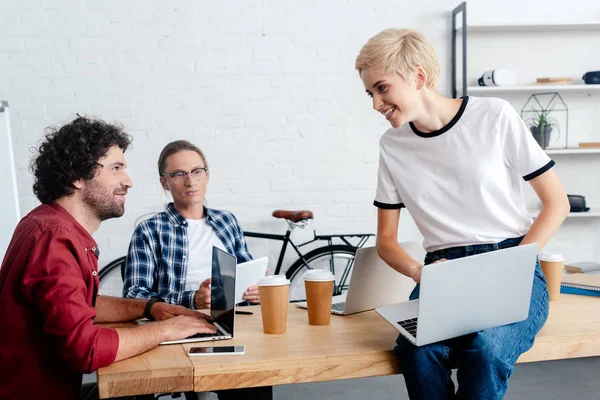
{"x":183,"y":326}
{"x":416,"y":271}
{"x":202,"y":296}
{"x":251,"y":294}
{"x":164,"y":311}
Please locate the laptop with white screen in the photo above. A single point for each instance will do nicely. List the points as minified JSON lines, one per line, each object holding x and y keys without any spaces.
{"x":222,"y":300}
{"x":373,"y":284}
{"x":467,"y":295}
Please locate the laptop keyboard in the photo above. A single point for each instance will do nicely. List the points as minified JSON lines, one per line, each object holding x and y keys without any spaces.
{"x":203,"y":335}
{"x":338,"y":306}
{"x":410,"y":325}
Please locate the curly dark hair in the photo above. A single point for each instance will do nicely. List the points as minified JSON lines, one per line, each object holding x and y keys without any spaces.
{"x":71,"y":152}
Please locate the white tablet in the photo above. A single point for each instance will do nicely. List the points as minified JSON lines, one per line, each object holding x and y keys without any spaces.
{"x":248,"y":274}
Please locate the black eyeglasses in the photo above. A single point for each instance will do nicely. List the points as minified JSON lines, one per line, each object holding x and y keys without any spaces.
{"x":179,"y":176}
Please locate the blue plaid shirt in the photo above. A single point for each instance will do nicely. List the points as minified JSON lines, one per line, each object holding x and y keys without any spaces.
{"x":157,"y":260}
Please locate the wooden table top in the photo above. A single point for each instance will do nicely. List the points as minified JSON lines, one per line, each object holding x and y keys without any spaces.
{"x":571,"y":331}
{"x":161,"y":370}
{"x":353,"y":346}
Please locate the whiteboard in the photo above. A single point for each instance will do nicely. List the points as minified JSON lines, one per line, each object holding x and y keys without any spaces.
{"x":9,"y":198}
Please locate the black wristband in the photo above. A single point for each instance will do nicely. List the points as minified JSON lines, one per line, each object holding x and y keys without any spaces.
{"x":149,"y":305}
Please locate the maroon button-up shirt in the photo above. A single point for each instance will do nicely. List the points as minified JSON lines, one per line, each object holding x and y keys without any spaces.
{"x":48,"y":288}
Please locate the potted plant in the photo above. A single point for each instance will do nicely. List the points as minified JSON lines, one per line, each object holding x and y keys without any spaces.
{"x":541,"y":126}
{"x":546,"y":115}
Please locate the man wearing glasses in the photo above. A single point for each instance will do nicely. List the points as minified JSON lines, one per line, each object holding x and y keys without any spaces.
{"x":170,"y":254}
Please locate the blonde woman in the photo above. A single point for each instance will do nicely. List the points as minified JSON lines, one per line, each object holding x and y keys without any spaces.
{"x":457,"y":165}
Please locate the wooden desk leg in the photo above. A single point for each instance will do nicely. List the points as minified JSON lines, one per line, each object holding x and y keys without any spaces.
{"x":255,"y":393}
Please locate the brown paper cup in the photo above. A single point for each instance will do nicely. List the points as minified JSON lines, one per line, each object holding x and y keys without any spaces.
{"x":552,"y":268}
{"x":318,"y":301}
{"x":274,"y":307}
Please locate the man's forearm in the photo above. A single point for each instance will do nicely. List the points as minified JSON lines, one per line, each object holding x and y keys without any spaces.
{"x":116,"y":309}
{"x":134,"y":341}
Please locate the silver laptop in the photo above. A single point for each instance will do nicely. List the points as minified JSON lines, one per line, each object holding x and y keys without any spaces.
{"x":372,"y":284}
{"x":222,"y":300}
{"x":467,"y":295}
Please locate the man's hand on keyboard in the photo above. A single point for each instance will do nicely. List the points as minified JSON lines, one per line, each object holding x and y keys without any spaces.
{"x":163,"y":311}
{"x":182,"y":326}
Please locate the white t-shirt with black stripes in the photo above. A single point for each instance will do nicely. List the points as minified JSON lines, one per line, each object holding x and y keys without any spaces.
{"x":462,"y":184}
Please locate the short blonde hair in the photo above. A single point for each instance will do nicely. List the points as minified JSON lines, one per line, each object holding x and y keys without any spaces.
{"x":400,"y":51}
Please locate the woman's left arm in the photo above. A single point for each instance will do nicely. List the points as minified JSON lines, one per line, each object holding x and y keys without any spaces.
{"x":555,"y":207}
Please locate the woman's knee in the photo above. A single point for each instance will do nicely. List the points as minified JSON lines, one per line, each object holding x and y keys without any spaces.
{"x":501,"y":345}
{"x":488,"y":348}
{"x":409,"y":353}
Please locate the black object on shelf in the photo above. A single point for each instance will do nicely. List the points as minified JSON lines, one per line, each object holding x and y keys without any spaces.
{"x":577,"y":203}
{"x":591,"y":78}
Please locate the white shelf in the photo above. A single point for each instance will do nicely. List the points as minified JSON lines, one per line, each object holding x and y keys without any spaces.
{"x":593,"y":213}
{"x":533,"y":88}
{"x":578,"y":26}
{"x":575,"y":150}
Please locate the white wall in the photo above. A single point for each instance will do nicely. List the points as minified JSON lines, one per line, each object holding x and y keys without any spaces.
{"x":266,"y":88}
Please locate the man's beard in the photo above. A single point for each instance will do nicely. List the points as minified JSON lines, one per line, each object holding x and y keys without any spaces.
{"x":101,"y":201}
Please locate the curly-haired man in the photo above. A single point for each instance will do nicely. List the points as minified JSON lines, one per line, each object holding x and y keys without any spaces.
{"x":49,"y":277}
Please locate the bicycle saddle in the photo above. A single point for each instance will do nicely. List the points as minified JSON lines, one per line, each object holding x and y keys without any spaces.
{"x":294,"y":216}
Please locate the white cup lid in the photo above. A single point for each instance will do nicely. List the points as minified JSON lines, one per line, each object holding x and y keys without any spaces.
{"x":551,"y":257}
{"x":318,"y":275}
{"x":273,"y":280}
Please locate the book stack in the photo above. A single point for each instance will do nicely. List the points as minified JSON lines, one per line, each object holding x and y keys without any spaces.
{"x":581,"y":284}
{"x":553,"y":81}
{"x":584,"y":267}
{"x":589,"y":145}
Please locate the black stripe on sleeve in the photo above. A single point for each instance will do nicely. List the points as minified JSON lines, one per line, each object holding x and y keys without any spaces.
{"x":540,"y":171}
{"x":386,"y":206}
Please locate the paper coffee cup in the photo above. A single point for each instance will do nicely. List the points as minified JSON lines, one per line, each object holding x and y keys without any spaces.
{"x":552,"y":266}
{"x":273,"y":291}
{"x":319,"y":291}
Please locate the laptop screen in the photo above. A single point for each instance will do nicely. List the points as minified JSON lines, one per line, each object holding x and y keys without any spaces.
{"x":222,"y":301}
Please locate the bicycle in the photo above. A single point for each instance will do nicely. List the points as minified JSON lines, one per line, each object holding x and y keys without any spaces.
{"x":337,"y":258}
{"x":111,"y":278}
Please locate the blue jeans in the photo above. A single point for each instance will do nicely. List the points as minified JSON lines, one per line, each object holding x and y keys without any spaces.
{"x":486,"y":359}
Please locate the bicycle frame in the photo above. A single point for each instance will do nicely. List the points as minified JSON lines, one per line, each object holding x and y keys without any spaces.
{"x":328,"y":238}
{"x":285,"y":238}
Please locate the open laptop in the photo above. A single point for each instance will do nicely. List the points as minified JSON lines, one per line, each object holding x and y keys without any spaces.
{"x":373,"y":284}
{"x":467,"y":295}
{"x":222,"y":301}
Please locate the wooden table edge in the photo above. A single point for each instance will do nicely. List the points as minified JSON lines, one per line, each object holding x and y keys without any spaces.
{"x":149,"y":381}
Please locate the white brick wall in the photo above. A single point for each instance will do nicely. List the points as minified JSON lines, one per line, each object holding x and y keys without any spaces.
{"x":266,"y":88}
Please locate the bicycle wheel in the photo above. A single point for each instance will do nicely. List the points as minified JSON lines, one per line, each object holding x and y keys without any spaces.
{"x":111,"y":278}
{"x":339,"y":259}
